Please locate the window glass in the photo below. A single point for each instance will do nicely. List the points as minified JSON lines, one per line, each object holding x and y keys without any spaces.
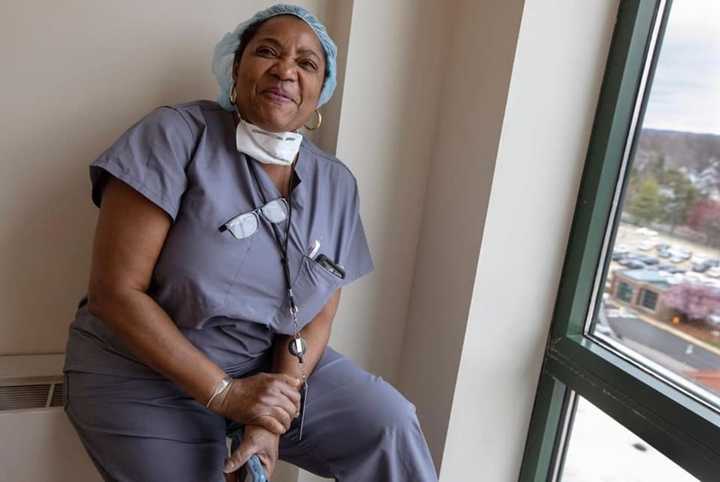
{"x":602,"y":450}
{"x":661,"y":301}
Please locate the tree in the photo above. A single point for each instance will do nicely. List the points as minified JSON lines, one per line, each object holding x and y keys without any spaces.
{"x":681,"y":196}
{"x":646,"y":204}
{"x":705,"y":218}
{"x":695,"y":301}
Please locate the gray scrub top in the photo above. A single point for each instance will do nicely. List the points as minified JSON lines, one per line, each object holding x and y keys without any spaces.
{"x":219,"y":289}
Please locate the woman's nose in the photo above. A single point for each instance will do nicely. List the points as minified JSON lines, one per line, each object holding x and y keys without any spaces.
{"x":284,"y":69}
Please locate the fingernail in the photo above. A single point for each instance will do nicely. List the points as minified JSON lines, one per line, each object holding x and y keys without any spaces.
{"x":229,"y":467}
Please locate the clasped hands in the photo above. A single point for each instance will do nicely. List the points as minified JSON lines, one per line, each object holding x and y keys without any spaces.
{"x":266,"y":404}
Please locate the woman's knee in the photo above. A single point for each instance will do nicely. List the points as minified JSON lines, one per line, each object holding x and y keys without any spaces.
{"x":386,"y":408}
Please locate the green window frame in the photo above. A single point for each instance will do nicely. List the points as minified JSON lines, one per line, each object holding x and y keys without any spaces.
{"x":676,"y":422}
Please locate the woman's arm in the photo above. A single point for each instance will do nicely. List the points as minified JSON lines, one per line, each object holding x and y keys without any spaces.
{"x":316,"y":334}
{"x":129,"y":237}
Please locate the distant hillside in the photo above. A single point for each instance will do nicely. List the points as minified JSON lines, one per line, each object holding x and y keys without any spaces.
{"x":694,"y":151}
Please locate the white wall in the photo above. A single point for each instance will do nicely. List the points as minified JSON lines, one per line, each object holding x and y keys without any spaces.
{"x":473,"y":98}
{"x":512,"y":159}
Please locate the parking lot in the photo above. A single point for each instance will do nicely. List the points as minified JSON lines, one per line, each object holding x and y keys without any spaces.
{"x":640,"y":242}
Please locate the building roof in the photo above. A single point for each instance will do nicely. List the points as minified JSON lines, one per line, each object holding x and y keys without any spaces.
{"x":646,"y":276}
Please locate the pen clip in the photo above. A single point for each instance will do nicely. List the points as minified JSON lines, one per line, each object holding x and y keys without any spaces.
{"x":314,"y":250}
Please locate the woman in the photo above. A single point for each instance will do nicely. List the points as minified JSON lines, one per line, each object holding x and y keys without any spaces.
{"x":222,"y":244}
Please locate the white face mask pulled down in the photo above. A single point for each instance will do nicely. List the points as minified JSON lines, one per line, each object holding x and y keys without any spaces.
{"x":266,"y":146}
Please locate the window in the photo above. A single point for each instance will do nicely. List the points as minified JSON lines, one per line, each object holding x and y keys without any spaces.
{"x":600,"y":449}
{"x":636,"y":327}
{"x":625,"y":292}
{"x":649,"y":299}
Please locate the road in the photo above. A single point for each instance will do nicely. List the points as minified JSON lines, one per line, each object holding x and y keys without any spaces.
{"x":673,"y":346}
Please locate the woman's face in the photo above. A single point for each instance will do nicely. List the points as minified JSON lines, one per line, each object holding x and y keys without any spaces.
{"x":280,"y":75}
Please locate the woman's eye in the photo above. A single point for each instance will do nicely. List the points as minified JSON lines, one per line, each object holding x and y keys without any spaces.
{"x":308,"y":65}
{"x":265,"y":51}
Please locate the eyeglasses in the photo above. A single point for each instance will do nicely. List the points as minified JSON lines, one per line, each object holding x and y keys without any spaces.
{"x":245,"y":225}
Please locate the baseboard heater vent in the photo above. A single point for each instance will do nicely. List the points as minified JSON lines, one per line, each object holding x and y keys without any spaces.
{"x":31,"y":381}
{"x":18,"y":397}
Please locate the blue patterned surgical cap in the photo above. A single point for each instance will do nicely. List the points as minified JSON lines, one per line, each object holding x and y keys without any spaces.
{"x":224,"y":53}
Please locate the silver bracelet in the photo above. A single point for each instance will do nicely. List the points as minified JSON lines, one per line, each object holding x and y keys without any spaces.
{"x":221,"y":386}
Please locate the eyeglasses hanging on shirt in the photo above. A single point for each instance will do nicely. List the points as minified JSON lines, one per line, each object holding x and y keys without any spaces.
{"x":244,"y":225}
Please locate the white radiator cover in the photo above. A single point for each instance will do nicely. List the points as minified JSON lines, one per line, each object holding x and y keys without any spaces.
{"x":38,"y":443}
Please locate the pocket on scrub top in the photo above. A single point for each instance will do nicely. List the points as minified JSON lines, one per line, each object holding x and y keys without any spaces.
{"x":313,"y":288}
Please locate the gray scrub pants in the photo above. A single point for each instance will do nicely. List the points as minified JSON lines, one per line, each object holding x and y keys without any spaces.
{"x":358,"y":428}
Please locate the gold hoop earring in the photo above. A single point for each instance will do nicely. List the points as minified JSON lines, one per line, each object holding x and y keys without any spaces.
{"x":319,"y":121}
{"x":233,"y":95}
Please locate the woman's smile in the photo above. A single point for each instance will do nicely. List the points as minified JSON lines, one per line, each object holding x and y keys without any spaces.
{"x":279,"y":75}
{"x":278,"y":96}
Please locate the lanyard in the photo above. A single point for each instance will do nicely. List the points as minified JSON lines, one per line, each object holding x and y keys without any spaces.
{"x":297,"y":346}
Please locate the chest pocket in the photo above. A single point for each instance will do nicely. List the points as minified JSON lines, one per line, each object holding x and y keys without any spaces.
{"x":312,"y":289}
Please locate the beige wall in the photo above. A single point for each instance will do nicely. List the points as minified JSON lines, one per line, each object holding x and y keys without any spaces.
{"x":465,"y":122}
{"x":76,"y":74}
{"x":554,"y":86}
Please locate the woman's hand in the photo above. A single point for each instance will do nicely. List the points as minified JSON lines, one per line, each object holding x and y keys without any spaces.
{"x":270,"y":400}
{"x":256,"y":441}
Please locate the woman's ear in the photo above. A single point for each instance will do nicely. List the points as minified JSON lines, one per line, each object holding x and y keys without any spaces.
{"x":236,"y":61}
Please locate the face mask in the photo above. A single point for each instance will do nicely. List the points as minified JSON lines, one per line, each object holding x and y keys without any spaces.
{"x":265,"y":146}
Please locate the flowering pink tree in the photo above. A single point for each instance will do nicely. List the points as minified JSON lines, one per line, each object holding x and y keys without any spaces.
{"x":695,"y":301}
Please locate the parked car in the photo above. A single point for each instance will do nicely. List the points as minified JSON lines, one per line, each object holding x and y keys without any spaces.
{"x":633,"y":264}
{"x":681,"y":253}
{"x":646,"y":259}
{"x":713,"y":272}
{"x":703,"y":266}
{"x":617,"y":256}
{"x":646,"y":246}
{"x":646,"y":232}
{"x":669,"y":268}
{"x":664,"y":253}
{"x":698,"y":259}
{"x":621,"y":250}
{"x":662,"y":246}
{"x":699,"y":267}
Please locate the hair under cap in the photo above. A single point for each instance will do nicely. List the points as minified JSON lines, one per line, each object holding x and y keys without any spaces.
{"x":224,"y":54}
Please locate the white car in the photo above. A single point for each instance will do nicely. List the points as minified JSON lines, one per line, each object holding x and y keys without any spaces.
{"x":697,"y":259}
{"x":714,"y":319}
{"x":713,"y":272}
{"x":647,"y":246}
{"x":646,"y":232}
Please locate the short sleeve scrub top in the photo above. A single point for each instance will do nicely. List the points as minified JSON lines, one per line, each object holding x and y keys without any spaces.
{"x":227,"y":295}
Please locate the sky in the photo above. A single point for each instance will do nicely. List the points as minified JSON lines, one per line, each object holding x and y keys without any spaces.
{"x":685,"y":95}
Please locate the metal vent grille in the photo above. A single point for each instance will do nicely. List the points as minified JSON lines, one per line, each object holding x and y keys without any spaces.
{"x":24,"y":396}
{"x":56,"y":400}
{"x":31,"y":381}
{"x":19,"y":397}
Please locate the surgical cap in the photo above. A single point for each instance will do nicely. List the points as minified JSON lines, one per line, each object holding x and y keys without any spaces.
{"x":224,"y":53}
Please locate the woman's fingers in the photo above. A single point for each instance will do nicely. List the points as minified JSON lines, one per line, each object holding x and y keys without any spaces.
{"x":294,"y":382}
{"x":292,"y":393}
{"x":255,"y":441}
{"x":283,"y":417}
{"x":269,"y":423}
{"x":239,"y":457}
{"x":290,"y":407}
{"x":264,"y":397}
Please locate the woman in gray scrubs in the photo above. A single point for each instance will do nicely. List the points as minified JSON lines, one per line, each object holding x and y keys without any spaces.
{"x":210,"y":212}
